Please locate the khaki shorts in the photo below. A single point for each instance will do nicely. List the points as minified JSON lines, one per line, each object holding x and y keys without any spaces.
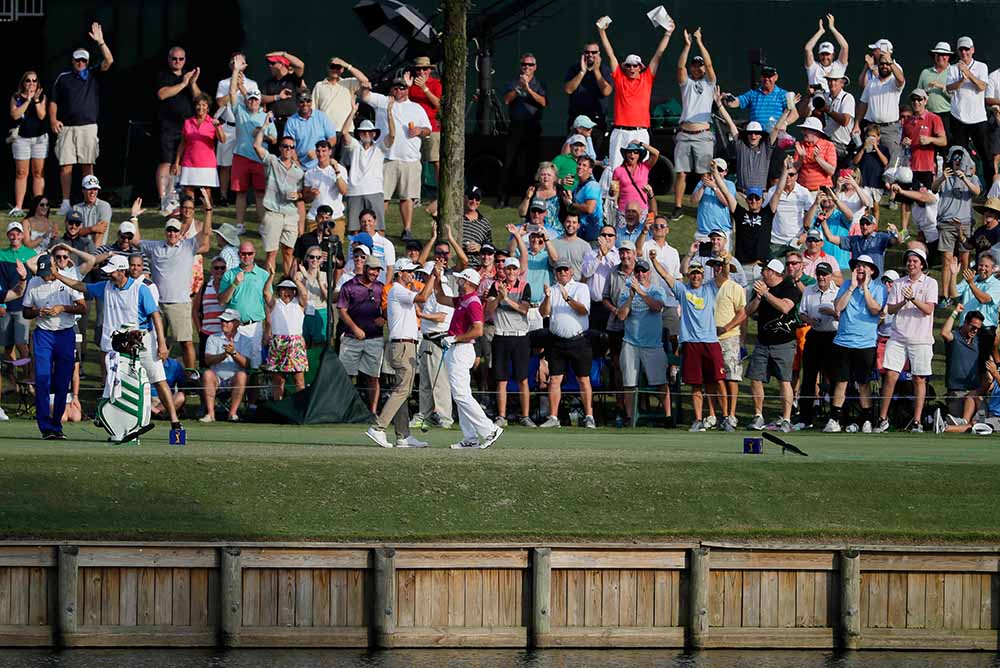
{"x":401,"y":180}
{"x":178,"y":319}
{"x":77,"y":145}
{"x":731,"y":358}
{"x":948,"y":241}
{"x":279,"y":228}
{"x":651,"y":360}
{"x":364,"y":355}
{"x":430,"y":147}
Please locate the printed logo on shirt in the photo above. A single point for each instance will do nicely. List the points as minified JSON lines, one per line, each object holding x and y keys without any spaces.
{"x":695,"y":301}
{"x":753,"y":220}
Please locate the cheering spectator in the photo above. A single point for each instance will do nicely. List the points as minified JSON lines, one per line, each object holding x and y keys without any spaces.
{"x":476,"y":228}
{"x":544,"y":190}
{"x":753,"y":224}
{"x":541,"y":256}
{"x":923,"y":205}
{"x":13,"y":326}
{"x":315,"y":281}
{"x":381,"y":247}
{"x":280,"y":91}
{"x":366,"y":160}
{"x":753,"y":147}
{"x":987,"y":235}
{"x":967,"y":80}
{"x":912,"y":301}
{"x":308,"y":127}
{"x":228,"y":356}
{"x":838,"y":110}
{"x":818,"y":68}
{"x":789,"y":213}
{"x":40,"y":231}
{"x":248,"y":169}
{"x":206,"y":308}
{"x":815,"y":156}
{"x":243,"y":290}
{"x":870,"y":243}
{"x":631,"y":178}
{"x":956,"y":185}
{"x":225,"y":151}
{"x":879,"y":103}
{"x":286,"y":349}
{"x":871,"y":160}
{"x":814,"y":255}
{"x":922,"y":132}
{"x":980,"y":291}
{"x":195,"y":161}
{"x":30,"y":144}
{"x":334,"y":95}
{"x":817,"y":310}
{"x":730,"y":314}
{"x":934,"y":80}
{"x":598,"y":265}
{"x":176,"y":91}
{"x":508,"y":303}
{"x":586,"y":200}
{"x":719,"y":245}
{"x":695,"y":143}
{"x":565,"y":163}
{"x":766,"y":103}
{"x":715,"y":197}
{"x":669,"y":260}
{"x":95,"y":212}
{"x":963,"y":375}
{"x":639,"y":307}
{"x":325,"y":184}
{"x":426,"y":91}
{"x":588,"y":86}
{"x":361,"y":346}
{"x":282,"y":192}
{"x":73,"y":111}
{"x":526,"y":99}
{"x":583,"y":126}
{"x":634,"y":227}
{"x":614,"y":287}
{"x":570,"y":247}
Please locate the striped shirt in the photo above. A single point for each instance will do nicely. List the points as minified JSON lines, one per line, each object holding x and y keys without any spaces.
{"x":477,"y":230}
{"x":765,"y":109}
{"x":211,"y":309}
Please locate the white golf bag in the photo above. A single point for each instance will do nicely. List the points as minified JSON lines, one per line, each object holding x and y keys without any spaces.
{"x":124,"y":410}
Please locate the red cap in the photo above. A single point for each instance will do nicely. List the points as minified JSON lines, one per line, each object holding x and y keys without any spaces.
{"x":280,"y":59}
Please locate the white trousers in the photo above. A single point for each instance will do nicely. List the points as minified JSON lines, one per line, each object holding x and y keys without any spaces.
{"x":471,"y":418}
{"x":619,"y":140}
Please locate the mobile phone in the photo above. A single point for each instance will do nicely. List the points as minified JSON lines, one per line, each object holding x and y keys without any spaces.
{"x":705,"y":249}
{"x":729,"y":97}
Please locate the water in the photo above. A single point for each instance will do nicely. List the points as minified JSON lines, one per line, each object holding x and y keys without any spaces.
{"x":308,"y":658}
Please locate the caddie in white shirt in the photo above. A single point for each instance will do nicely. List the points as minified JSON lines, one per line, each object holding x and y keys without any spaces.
{"x":967,"y":83}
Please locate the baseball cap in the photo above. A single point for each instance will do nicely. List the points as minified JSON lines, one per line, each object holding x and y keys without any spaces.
{"x":627,"y":245}
{"x":304,"y":96}
{"x":172,"y":224}
{"x":74,"y":216}
{"x":719,"y":233}
{"x":128,"y":227}
{"x":279,"y":59}
{"x":754,"y":126}
{"x":583,"y":121}
{"x":413,"y":244}
{"x":512,"y":262}
{"x":698,"y":59}
{"x":399,"y":81}
{"x":287,"y":283}
{"x":374,"y":262}
{"x":918,"y":92}
{"x":577,"y":139}
{"x":365,"y":250}
{"x":44,"y":266}
{"x":363,"y":238}
{"x":768,"y":71}
{"x":253,"y":94}
{"x":537,"y":205}
{"x":756,"y":192}
{"x":919,"y":252}
{"x":813,"y":233}
{"x":562,"y":263}
{"x":824,"y":268}
{"x":15,"y":226}
{"x":231,"y":314}
{"x":81,"y":54}
{"x":632,"y":59}
{"x":964,"y":43}
{"x":882,"y":45}
{"x":720,"y":163}
{"x":640,"y":264}
{"x":474,"y":191}
{"x":696,"y":267}
{"x":471,"y":275}
{"x":942,"y":47}
{"x":890,"y":275}
{"x":115,"y":263}
{"x":487,"y":248}
{"x":405,"y":264}
{"x":825,"y":47}
{"x":776,"y":265}
{"x":90,"y":182}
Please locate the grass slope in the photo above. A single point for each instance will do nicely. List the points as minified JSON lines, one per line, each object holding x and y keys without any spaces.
{"x":329,"y":483}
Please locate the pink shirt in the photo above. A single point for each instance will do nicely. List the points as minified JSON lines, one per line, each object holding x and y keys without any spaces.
{"x":628,"y":192}
{"x":912,"y":325}
{"x":199,"y":143}
{"x":468,"y":311}
{"x":809,"y":264}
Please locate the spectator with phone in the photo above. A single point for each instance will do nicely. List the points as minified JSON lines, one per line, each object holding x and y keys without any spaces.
{"x":956,"y":186}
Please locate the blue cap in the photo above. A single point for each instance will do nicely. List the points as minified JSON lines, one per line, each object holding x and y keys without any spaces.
{"x":363,"y":238}
{"x":759,"y":192}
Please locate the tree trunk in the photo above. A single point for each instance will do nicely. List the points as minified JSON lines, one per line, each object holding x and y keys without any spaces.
{"x":452,"y":115}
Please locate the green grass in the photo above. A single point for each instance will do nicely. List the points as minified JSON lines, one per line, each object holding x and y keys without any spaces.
{"x":260,"y":482}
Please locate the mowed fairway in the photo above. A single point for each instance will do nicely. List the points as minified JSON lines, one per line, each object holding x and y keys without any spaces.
{"x":263,"y":482}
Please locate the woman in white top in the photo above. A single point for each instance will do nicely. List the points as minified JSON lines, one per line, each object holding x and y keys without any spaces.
{"x":39,"y":230}
{"x":286,"y":349}
{"x":315,"y":282}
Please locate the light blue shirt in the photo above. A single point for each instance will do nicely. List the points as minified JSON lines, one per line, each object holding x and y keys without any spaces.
{"x":539,"y":275}
{"x":990,"y":286}
{"x":306,"y":132}
{"x":246,"y":124}
{"x":858,"y":328}
{"x":873,"y":246}
{"x":713,"y":214}
{"x":840,"y":227}
{"x":624,"y":234}
{"x":590,"y":223}
{"x":697,"y":312}
{"x":643,"y":327}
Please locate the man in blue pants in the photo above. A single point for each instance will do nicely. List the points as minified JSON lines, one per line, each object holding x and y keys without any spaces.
{"x":53,"y":304}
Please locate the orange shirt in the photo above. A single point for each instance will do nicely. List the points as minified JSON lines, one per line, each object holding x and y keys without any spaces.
{"x":811,"y":175}
{"x":632,"y":98}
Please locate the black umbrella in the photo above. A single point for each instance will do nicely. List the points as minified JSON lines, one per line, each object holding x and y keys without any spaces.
{"x":394,"y":24}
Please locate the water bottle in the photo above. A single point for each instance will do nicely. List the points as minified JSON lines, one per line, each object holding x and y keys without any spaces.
{"x":574,"y":417}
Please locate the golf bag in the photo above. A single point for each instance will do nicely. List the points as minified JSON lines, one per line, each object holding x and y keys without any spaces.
{"x":124,"y":410}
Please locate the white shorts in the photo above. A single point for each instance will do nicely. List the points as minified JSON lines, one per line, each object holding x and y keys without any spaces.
{"x":255,"y":332}
{"x":30,"y":148}
{"x":919,"y":354}
{"x":651,"y":360}
{"x":225,"y":150}
{"x":200,"y":177}
{"x":362,"y":355}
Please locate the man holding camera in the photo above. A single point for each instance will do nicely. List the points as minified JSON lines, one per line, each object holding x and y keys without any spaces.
{"x":835,"y":107}
{"x":956,"y":186}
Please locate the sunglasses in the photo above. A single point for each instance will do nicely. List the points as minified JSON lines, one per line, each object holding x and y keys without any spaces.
{"x":31,"y":81}
{"x":247,"y":253}
{"x":176,"y":58}
{"x":126,"y":236}
{"x":441,"y":253}
{"x":222,"y":268}
{"x":474,"y":198}
{"x":73,"y":223}
{"x":641,"y":271}
{"x":608,"y":234}
{"x":792,"y":263}
{"x":288,"y":147}
{"x":79,"y":60}
{"x":399,"y":87}
{"x":528,"y":64}
{"x":558,"y":269}
{"x":315,"y":257}
{"x":61,"y":257}
{"x":660,"y":226}
{"x":43,"y":204}
{"x":424,"y":69}
{"x":793,"y":173}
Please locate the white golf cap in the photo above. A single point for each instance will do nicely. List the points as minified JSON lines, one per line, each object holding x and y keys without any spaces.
{"x":128,"y":227}
{"x":632,"y":59}
{"x":471,"y":275}
{"x":90,"y":182}
{"x":825,"y":47}
{"x":15,"y":226}
{"x":919,"y":92}
{"x":577,"y":139}
{"x":115,"y":263}
{"x":512,"y":262}
{"x":753,"y":126}
{"x":943,"y":47}
{"x":428,"y":267}
{"x":405,"y":264}
{"x":719,"y":233}
{"x":172,"y":224}
{"x":776,"y":265}
{"x":81,"y":54}
{"x":253,"y":94}
{"x":882,"y":45}
{"x":720,"y":163}
{"x":287,"y":283}
{"x":890,"y":275}
{"x":965,"y":43}
{"x":231,"y":314}
{"x":361,"y":247}
{"x":583,"y":121}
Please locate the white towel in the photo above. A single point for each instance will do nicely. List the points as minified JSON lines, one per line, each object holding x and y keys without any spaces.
{"x":658,"y":17}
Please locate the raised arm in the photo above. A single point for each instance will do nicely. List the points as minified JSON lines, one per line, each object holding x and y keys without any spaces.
{"x":602,"y":34}
{"x":654,"y":62}
{"x":258,"y":138}
{"x":682,"y":73}
{"x":811,"y":44}
{"x":840,"y":39}
{"x":97,"y":34}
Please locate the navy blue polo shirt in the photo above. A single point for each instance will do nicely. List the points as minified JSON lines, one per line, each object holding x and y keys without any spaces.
{"x":78,"y":101}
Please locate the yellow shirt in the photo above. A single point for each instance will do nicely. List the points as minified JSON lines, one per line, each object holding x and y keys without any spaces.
{"x":731,"y":298}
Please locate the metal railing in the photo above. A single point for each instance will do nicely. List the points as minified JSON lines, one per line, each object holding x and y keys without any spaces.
{"x":12,"y":10}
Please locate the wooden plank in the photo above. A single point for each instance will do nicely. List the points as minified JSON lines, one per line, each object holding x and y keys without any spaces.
{"x":215,"y":598}
{"x":251,"y":597}
{"x":576,"y":597}
{"x":776,"y":638}
{"x":163,"y":597}
{"x":952,"y":601}
{"x":305,"y":558}
{"x":645,"y":599}
{"x":321,"y":597}
{"x":614,"y":637}
{"x":357,"y":594}
{"x":826,"y":595}
{"x":146,"y":597}
{"x":5,"y":594}
{"x":405,"y":596}
{"x":268,"y":597}
{"x":679,"y":583}
{"x":772,"y":560}
{"x":52,"y":588}
{"x":149,"y":557}
{"x":934,"y":618}
{"x":896,"y":617}
{"x":338,"y":597}
{"x":971,"y":600}
{"x":141,"y":636}
{"x":446,"y":636}
{"x":592,"y":609}
{"x":805,"y":599}
{"x":610,"y":598}
{"x":439,"y":597}
{"x":750,"y":599}
{"x":303,"y":597}
{"x":27,"y":636}
{"x":916,"y":600}
{"x":445,"y":559}
{"x":29,"y":556}
{"x":92,"y":579}
{"x":878,"y":593}
{"x":424,"y":589}
{"x":769,"y":599}
{"x":921,"y":639}
{"x":661,"y":598}
{"x":491,"y":597}
{"x":865,"y":600}
{"x":38,"y":598}
{"x":966,"y":563}
{"x":456,"y":597}
{"x":510,"y":601}
{"x":987,"y":606}
{"x":619,"y":559}
{"x":473,"y":597}
{"x":627,"y":597}
{"x":786,"y":599}
{"x":732,"y":614}
{"x":716,"y":597}
{"x":557,"y":591}
{"x":319,"y":637}
{"x":111,"y":597}
{"x":199,"y":597}
{"x":181,"y":615}
{"x":286,"y":597}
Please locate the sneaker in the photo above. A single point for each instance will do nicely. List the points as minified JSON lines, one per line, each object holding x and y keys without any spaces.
{"x":550,"y":422}
{"x":727,"y":425}
{"x":206,"y":418}
{"x":677,"y":214}
{"x":883,"y":426}
{"x":588,"y":422}
{"x":57,"y":436}
{"x":733,"y":422}
{"x":17,"y":213}
{"x":785,"y":426}
{"x":832,"y":427}
{"x":378,"y":436}
{"x":939,"y":423}
{"x":955,"y":421}
{"x":417,"y":421}
{"x":711,"y":422}
{"x":492,"y":438}
{"x":852,"y":428}
{"x":410,"y":442}
{"x":465,"y":445}
{"x":234,"y":418}
{"x":407,"y":235}
{"x":917,"y":428}
{"x":64,"y":208}
{"x":525,"y":421}
{"x":697,"y":426}
{"x":945,"y":303}
{"x":866,"y":427}
{"x":3,"y":416}
{"x":799,"y":426}
{"x":757,"y":422}
{"x":501,"y":421}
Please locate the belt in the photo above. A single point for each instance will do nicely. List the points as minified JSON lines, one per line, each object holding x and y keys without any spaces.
{"x":232,"y":125}
{"x":499,"y":333}
{"x":695,"y":132}
{"x":888,"y":123}
{"x":250,"y":322}
{"x":628,"y":127}
{"x":579,"y":336}
{"x":402,"y":340}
